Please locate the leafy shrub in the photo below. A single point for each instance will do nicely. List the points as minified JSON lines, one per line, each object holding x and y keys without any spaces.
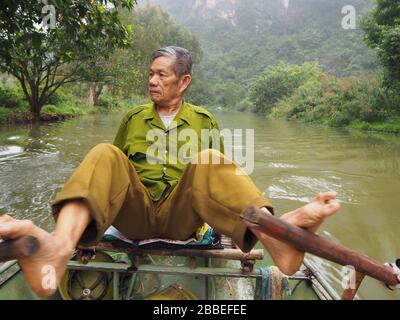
{"x":11,"y":97}
{"x":339,"y":102}
{"x":279,"y":82}
{"x":244,"y":105}
{"x":5,"y":113}
{"x":50,"y":108}
{"x":108,"y":102}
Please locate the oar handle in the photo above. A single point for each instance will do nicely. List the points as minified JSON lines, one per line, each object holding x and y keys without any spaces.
{"x":309,"y":242}
{"x":19,"y":248}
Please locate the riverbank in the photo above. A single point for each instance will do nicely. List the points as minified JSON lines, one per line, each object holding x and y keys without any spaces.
{"x":305,"y":93}
{"x":65,"y":103}
{"x":392,"y":126}
{"x":50,"y":114}
{"x":64,"y":110}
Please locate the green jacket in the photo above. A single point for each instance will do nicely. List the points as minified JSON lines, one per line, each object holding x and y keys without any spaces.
{"x":163,"y":171}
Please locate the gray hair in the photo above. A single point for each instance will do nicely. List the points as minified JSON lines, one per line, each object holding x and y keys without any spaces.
{"x":183,"y":60}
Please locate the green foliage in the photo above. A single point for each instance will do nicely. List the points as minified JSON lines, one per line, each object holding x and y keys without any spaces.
{"x":38,"y":56}
{"x":66,"y":109}
{"x":382,"y":28}
{"x":11,"y":97}
{"x":62,"y":104}
{"x":201,"y":91}
{"x":339,"y":102}
{"x":50,"y":108}
{"x":153,"y":29}
{"x":116,"y":103}
{"x":5,"y":113}
{"x":230,"y":94}
{"x":61,"y":96}
{"x":392,"y":126}
{"x":240,"y":38}
{"x":279,"y":82}
{"x":125,"y":72}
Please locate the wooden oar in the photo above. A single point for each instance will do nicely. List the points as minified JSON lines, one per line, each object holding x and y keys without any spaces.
{"x":19,"y":248}
{"x":309,"y":242}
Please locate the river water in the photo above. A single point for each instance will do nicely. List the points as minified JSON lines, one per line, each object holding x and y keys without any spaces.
{"x":293,"y":162}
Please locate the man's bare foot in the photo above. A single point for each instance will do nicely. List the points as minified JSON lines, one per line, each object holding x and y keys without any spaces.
{"x":310,"y":217}
{"x":44,"y":270}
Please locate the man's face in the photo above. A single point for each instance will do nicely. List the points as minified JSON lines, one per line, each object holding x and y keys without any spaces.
{"x":164,"y":85}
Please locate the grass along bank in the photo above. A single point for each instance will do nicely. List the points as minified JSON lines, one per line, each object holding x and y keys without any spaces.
{"x":390,"y":126}
{"x":63,"y":105}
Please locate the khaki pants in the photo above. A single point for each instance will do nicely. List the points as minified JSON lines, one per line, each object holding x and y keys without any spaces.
{"x":210,"y":193}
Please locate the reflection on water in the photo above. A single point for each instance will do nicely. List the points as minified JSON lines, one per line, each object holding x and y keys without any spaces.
{"x":293,"y":163}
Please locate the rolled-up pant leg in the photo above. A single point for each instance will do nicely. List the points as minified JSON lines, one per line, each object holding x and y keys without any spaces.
{"x":213,"y":193}
{"x":110,"y":185}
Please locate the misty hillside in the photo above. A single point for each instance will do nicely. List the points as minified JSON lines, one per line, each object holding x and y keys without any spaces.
{"x":251,"y":34}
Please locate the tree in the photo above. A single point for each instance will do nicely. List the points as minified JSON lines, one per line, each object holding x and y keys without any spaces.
{"x":241,"y":38}
{"x":45,"y":56}
{"x":153,"y":29}
{"x":279,"y":82}
{"x":115,"y":72}
{"x":126,"y":71}
{"x":382,"y":33}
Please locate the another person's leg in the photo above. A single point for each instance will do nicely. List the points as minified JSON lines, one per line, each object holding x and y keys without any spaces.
{"x":105,"y":189}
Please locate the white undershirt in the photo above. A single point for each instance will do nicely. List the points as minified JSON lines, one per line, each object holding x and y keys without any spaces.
{"x":167,"y":119}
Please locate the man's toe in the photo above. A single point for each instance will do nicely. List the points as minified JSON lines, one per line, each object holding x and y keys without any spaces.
{"x":16,"y":228}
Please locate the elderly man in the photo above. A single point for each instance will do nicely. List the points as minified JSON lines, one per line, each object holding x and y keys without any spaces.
{"x":121,"y":185}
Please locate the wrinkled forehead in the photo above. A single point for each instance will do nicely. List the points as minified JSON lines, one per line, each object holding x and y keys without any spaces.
{"x":165,"y":64}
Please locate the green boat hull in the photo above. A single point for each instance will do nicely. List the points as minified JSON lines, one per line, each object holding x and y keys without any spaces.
{"x":14,"y":287}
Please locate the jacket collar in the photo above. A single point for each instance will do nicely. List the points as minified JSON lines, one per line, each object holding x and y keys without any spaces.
{"x":182,"y":116}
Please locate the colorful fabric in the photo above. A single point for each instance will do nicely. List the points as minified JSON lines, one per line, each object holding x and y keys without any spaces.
{"x":203,"y":238}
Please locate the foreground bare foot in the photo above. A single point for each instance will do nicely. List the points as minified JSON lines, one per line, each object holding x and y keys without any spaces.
{"x":310,"y":217}
{"x":44,"y":270}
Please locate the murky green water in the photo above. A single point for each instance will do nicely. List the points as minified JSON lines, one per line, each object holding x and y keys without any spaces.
{"x":293,"y":163}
